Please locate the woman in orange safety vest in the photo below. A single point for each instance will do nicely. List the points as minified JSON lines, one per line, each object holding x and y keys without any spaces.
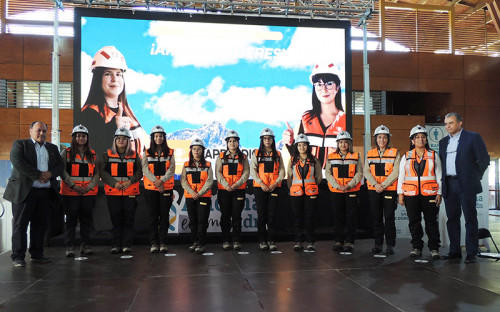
{"x":344,"y":171}
{"x":121,"y":172}
{"x":304,"y":175}
{"x":232,"y":171}
{"x":419,"y":189}
{"x":158,"y":167}
{"x":381,"y":172}
{"x":79,"y":189}
{"x":267,"y":170}
{"x":197,"y":180}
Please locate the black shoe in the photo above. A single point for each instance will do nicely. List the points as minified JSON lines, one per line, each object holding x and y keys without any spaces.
{"x":389,"y":250}
{"x":338,"y":246}
{"x":41,"y":259}
{"x":470,"y":259}
{"x":376,"y":250}
{"x":451,"y":256}
{"x":18,"y":263}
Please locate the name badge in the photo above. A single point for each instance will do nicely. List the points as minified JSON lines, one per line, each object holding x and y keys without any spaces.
{"x":203,"y":203}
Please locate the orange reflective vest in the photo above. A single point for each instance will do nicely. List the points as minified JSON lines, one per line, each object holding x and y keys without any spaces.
{"x":81,"y":172}
{"x":159,"y":165}
{"x":121,"y":170}
{"x":425,"y":184}
{"x":343,"y":170}
{"x":303,"y":185}
{"x":268,"y":169}
{"x":318,"y":138}
{"x":196,"y":178}
{"x":381,"y":166}
{"x":232,"y":170}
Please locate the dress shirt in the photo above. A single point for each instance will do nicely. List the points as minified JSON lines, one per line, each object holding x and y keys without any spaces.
{"x":451,"y":154}
{"x":42,"y":163}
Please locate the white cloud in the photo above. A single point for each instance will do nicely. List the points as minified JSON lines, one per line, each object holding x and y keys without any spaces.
{"x":274,"y":106}
{"x":135,"y":81}
{"x":219,"y":44}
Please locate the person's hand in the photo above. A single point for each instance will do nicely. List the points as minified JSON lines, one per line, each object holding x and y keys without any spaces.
{"x":438,"y":200}
{"x":196,"y":196}
{"x":126,"y":184}
{"x":45,"y":176}
{"x":379,"y":188}
{"x":401,"y":199}
{"x":273,"y":186}
{"x":122,"y":121}
{"x":158,"y":183}
{"x":86,"y":189}
{"x":288,"y":135}
{"x":118,"y":186}
{"x":161,"y":189}
{"x":265,"y":188}
{"x":228,"y":188}
{"x":77,"y":188}
{"x":344,"y":188}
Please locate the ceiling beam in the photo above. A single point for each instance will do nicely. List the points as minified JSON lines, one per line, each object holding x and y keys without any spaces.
{"x":494,"y":9}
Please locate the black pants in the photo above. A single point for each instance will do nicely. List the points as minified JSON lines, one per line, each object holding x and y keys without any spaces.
{"x":78,"y":208}
{"x":415,"y":207}
{"x":231,"y":205}
{"x":34,"y":211}
{"x":383,"y":206}
{"x":122,"y":213}
{"x":303,"y":211}
{"x":266,"y":205}
{"x":159,"y":215}
{"x":198,"y":212}
{"x":345,"y":206}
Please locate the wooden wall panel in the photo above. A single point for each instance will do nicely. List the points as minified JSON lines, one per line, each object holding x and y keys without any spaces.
{"x":482,"y":93}
{"x":12,"y":49}
{"x":10,"y":133}
{"x":11,"y":71}
{"x":37,"y":72}
{"x":481,"y":68}
{"x":9,"y":116}
{"x":441,"y":66}
{"x":38,"y":50}
{"x":393,"y":64}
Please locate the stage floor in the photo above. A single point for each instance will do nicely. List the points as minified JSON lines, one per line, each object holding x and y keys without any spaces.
{"x":257,"y":281}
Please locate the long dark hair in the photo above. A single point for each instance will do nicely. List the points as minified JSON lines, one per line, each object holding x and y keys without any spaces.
{"x":238,"y":152}
{"x":165,"y":150}
{"x":296,"y":154}
{"x":191,"y":157}
{"x":412,"y":146}
{"x":87,"y":153}
{"x":262,"y":148}
{"x":316,"y":104}
{"x":96,"y":94}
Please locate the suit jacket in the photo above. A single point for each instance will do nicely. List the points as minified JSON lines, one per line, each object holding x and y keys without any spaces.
{"x":471,"y":161}
{"x":25,"y":172}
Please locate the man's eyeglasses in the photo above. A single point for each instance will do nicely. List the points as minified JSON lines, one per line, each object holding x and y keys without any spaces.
{"x":319,"y":85}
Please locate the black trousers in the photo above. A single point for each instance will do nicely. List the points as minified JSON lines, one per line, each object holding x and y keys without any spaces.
{"x":159,"y":215}
{"x":198,"y":212}
{"x":383,"y":206}
{"x":34,"y":211}
{"x":78,"y":208}
{"x":303,"y":212}
{"x":415,"y":207}
{"x":345,"y":206}
{"x":231,"y":205}
{"x":122,"y":213}
{"x":266,"y":205}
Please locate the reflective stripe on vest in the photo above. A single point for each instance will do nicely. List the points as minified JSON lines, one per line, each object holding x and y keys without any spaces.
{"x":232,"y":170}
{"x":121,"y":170}
{"x":382,"y":166}
{"x":343,"y":170}
{"x":196,"y":178}
{"x":425,"y":184}
{"x":302,"y":185}
{"x":81,"y":172}
{"x":159,"y":166}
{"x":268,"y":169}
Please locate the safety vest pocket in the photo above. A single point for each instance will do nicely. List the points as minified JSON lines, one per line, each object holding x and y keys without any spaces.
{"x":311,"y":189}
{"x":296,"y":190}
{"x":409,"y":189}
{"x":430,"y":188}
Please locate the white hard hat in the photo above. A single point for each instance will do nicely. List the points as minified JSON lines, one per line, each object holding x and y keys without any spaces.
{"x":109,"y":57}
{"x":325,"y":68}
{"x":418,"y":129}
{"x":343,"y":135}
{"x":80,"y":129}
{"x":158,"y":129}
{"x":197,"y":142}
{"x":267,"y":132}
{"x":382,"y":130}
{"x":123,"y":132}
{"x":302,"y":138}
{"x":232,"y":134}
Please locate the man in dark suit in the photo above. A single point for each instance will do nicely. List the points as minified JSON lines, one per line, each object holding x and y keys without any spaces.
{"x":465,"y":159}
{"x":31,"y":187}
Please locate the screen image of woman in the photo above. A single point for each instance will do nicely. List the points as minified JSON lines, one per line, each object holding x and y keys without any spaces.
{"x":326,"y":118}
{"x":106,"y":108}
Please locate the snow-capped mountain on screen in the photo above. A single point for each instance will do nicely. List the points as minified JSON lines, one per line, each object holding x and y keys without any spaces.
{"x":212,"y":134}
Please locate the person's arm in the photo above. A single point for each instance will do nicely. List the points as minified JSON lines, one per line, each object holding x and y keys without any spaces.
{"x":480,"y":154}
{"x":58,"y":167}
{"x":329,"y":176}
{"x":368,"y":174}
{"x":281,"y":171}
{"x":318,"y":173}
{"x":105,"y":175}
{"x":208,"y":184}
{"x":185,"y":184}
{"x":359,"y":173}
{"x":438,"y":170}
{"x":20,"y":163}
{"x":97,"y":175}
{"x":171,"y":170}
{"x":244,"y":176}
{"x":219,"y":175}
{"x":65,"y":175}
{"x":145,"y":168}
{"x":401,"y":176}
{"x":254,"y":167}
{"x":289,"y":176}
{"x":394,"y":173}
{"x":137,"y":170}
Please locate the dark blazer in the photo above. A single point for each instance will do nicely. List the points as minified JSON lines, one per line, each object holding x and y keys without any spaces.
{"x":471,"y":162}
{"x":25,"y":172}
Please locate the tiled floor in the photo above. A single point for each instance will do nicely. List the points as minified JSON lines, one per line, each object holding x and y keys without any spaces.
{"x":257,"y":281}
